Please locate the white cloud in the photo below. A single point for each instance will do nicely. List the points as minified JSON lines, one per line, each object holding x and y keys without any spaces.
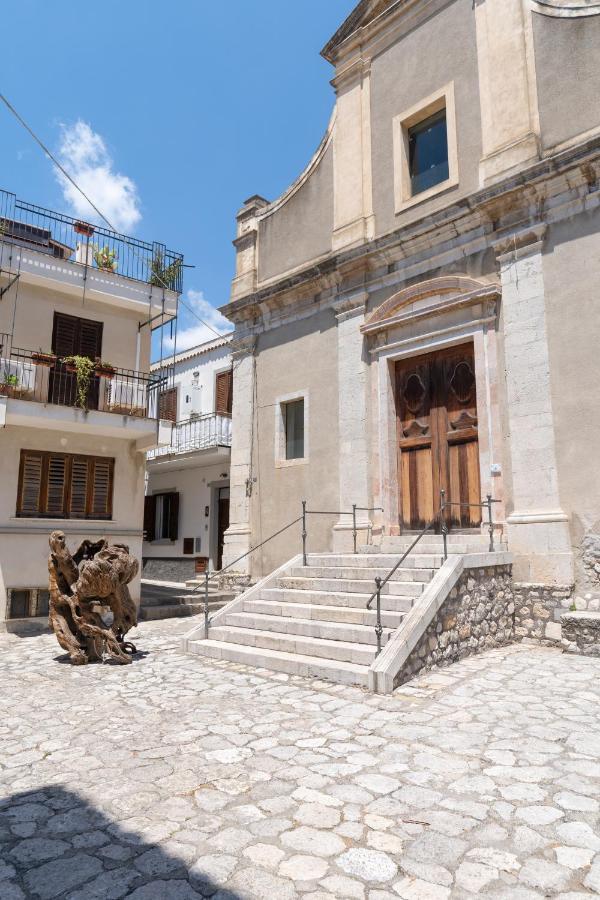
{"x":85,"y":157}
{"x":190,"y":331}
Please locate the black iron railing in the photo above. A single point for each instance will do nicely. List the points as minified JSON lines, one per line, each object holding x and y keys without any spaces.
{"x":94,"y":246}
{"x":46,"y":378}
{"x":439,"y":517}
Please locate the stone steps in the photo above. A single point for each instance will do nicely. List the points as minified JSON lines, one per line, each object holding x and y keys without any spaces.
{"x":377,"y":559}
{"x":319,"y":612}
{"x":350,"y":585}
{"x":348,"y":632}
{"x":355,"y":573}
{"x":353,"y":599}
{"x":277,"y":661}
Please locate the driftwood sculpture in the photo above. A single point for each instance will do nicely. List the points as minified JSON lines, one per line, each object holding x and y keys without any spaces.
{"x":83,"y":589}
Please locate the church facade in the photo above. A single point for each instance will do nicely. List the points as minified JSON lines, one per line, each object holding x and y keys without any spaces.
{"x":416,"y":318}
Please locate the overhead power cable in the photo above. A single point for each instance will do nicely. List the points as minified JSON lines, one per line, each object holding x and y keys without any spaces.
{"x":72,"y":181}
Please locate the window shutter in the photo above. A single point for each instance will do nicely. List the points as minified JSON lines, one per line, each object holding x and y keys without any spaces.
{"x":168,"y":405}
{"x":55,"y":497}
{"x":149,"y":517}
{"x":173,"y":516}
{"x":224,"y":393}
{"x":79,"y":487}
{"x":101,"y":505}
{"x":188,"y":546}
{"x":30,"y":484}
{"x":90,"y":338}
{"x":65,"y":335}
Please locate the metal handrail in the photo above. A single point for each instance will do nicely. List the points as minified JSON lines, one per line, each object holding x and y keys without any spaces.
{"x":320,"y":512}
{"x":381,"y":582}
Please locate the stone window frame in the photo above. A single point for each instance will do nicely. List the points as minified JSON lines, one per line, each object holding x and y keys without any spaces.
{"x":441,"y":99}
{"x":280,"y":459}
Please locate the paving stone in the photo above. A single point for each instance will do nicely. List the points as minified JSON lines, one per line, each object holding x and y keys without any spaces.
{"x":346,"y":888}
{"x":256,"y":884}
{"x":576,"y":802}
{"x":415,"y":889}
{"x":369,"y":865}
{"x":213,"y":869}
{"x":541,"y":873}
{"x":266,"y":856}
{"x":54,"y":878}
{"x":317,"y":815}
{"x":177,"y":889}
{"x":579,"y":834}
{"x":539,"y":815}
{"x":313,"y":842}
{"x":473,"y":876}
{"x":38,"y":849}
{"x":304,"y":868}
{"x":573,"y":857}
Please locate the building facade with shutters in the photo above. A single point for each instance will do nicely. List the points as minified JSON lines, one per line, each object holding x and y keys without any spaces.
{"x":187,"y":489}
{"x":79,"y":406}
{"x":418,"y":312}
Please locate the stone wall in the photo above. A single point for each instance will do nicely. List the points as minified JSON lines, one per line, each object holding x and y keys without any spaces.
{"x":478,"y":615}
{"x":581,"y":633}
{"x":590,"y":558}
{"x":538,"y":608}
{"x":169,"y":569}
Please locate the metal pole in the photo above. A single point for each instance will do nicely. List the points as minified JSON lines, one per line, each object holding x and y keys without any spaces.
{"x":206,"y":623}
{"x":354,"y":534}
{"x":378,"y":625}
{"x":444,"y":525}
{"x":490,"y":522}
{"x":304,"y":560}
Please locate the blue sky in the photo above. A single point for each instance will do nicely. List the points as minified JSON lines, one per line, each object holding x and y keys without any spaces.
{"x":170,"y":113}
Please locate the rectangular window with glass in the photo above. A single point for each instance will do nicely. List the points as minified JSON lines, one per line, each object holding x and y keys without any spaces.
{"x":428,"y":153}
{"x":161,"y":516}
{"x":65,"y":486}
{"x":293,"y":421}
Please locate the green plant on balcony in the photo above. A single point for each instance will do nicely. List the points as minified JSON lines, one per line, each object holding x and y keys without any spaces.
{"x":8,"y":384}
{"x":105,"y":258}
{"x":162,"y":275}
{"x":84,"y":369}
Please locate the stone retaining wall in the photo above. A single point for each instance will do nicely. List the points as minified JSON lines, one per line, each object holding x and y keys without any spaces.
{"x":538,"y":608}
{"x":169,"y":568}
{"x":478,"y":615}
{"x":581,"y":633}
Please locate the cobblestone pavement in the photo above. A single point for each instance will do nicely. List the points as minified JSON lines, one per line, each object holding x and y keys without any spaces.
{"x":181,"y":778}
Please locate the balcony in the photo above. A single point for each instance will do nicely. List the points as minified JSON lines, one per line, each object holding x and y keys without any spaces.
{"x":204,"y":440}
{"x":53,"y":249}
{"x":41,"y":390}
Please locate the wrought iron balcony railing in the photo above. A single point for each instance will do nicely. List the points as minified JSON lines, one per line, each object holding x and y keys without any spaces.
{"x":45,"y":378}
{"x":201,"y":433}
{"x":81,"y":243}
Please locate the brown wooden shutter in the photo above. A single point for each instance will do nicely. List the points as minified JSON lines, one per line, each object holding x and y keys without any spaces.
{"x":90,"y":339}
{"x":173,"y":516}
{"x":224,"y":393}
{"x":65,"y":335}
{"x":149,"y":516}
{"x":102,"y":480}
{"x":30,"y":483}
{"x":79,"y":487}
{"x":188,"y":546}
{"x":55,"y":485}
{"x":168,"y":405}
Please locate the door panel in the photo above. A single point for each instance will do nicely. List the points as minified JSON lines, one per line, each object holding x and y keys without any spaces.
{"x":437,"y":437}
{"x":73,"y":336}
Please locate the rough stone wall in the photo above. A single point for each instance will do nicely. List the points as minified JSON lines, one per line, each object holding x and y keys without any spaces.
{"x":537,"y":611}
{"x":478,"y":615}
{"x":590,"y":558}
{"x":581,"y":633}
{"x":168,"y":569}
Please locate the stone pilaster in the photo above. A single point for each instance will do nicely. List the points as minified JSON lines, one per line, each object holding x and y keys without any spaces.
{"x":246,"y":246}
{"x":238,"y":535}
{"x":508,"y":97}
{"x":538,"y":529}
{"x":353,"y":453}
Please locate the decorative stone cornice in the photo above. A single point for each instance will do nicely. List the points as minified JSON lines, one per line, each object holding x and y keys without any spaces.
{"x":566,"y":9}
{"x":242,"y":347}
{"x":520,"y":243}
{"x":349,"y":307}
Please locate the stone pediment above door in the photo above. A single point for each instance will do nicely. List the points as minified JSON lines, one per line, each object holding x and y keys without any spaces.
{"x":434,"y":297}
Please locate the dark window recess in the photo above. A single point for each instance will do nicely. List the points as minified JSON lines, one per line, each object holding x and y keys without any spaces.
{"x":188,"y":546}
{"x":72,"y":336}
{"x":65,"y":486}
{"x":224,"y":393}
{"x":168,"y":405}
{"x":19,"y":604}
{"x":43,"y":603}
{"x":161,"y":517}
{"x":293,"y":418}
{"x":428,"y":153}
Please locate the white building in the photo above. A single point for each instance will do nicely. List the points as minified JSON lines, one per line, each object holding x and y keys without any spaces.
{"x":187,"y":491}
{"x":72,"y":447}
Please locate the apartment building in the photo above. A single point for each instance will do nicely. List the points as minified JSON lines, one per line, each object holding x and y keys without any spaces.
{"x":79,"y":404}
{"x":187,"y":490}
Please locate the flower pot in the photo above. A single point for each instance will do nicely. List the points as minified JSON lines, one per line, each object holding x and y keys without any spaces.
{"x":69,"y":367}
{"x":43,"y":359}
{"x":83,"y":228}
{"x":105,"y":372}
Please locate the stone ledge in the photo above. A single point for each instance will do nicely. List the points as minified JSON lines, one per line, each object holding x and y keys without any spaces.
{"x":581,"y":632}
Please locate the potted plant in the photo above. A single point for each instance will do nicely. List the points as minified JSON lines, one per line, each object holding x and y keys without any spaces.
{"x":83,"y":228}
{"x":8,"y":385}
{"x":84,"y":369}
{"x":162,"y":275}
{"x":41,"y":358}
{"x":105,"y":369}
{"x":106,"y":259}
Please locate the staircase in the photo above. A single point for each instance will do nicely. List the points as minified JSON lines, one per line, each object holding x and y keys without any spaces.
{"x":313,"y":620}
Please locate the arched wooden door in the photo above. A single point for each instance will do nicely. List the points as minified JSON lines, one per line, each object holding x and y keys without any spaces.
{"x":436,"y":403}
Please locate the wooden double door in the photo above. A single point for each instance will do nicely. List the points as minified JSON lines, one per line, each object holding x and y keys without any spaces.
{"x":436,"y":403}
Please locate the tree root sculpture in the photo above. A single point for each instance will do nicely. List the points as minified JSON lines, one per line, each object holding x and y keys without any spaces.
{"x":83,"y":588}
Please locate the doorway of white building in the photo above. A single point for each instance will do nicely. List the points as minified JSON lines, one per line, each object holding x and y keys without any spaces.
{"x":222,"y":522}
